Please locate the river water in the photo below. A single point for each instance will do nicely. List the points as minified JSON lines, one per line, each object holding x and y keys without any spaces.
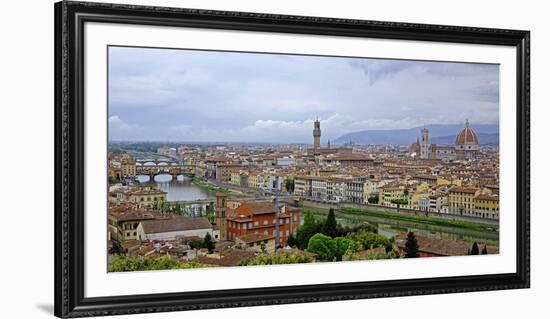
{"x":389,"y":228}
{"x":179,"y":189}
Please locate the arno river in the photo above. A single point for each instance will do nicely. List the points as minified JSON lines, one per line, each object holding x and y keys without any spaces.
{"x":179,"y":189}
{"x":182,"y":189}
{"x":390,"y":227}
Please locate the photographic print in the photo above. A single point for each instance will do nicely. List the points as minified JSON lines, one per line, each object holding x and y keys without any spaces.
{"x":232,"y":159}
{"x":291,"y":159}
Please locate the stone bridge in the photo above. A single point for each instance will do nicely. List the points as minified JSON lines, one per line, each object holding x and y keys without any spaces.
{"x":151,"y":168}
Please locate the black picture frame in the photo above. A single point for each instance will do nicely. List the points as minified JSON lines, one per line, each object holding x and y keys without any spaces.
{"x":70,"y":18}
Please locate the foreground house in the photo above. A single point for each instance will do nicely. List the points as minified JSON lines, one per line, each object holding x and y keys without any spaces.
{"x":435,"y":247}
{"x":174,"y":227}
{"x":262,"y":218}
{"x":256,"y":242}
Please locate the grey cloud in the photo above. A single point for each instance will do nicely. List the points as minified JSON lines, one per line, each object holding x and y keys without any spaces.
{"x":216,"y":96}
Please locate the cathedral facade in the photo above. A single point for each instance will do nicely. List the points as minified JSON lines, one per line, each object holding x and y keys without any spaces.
{"x":466,"y":146}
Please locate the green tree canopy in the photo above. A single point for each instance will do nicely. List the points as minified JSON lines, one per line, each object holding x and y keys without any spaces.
{"x":310,"y":227}
{"x":323,"y":246}
{"x":344,"y":245}
{"x":331,"y":249}
{"x":370,"y":240}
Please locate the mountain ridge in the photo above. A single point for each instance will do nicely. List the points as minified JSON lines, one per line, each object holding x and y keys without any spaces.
{"x":439,"y":134}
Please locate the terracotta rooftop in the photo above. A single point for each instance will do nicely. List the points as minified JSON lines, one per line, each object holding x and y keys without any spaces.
{"x":252,"y":238}
{"x":255,"y":208}
{"x":458,"y":189}
{"x":442,"y":246}
{"x":137,"y":215}
{"x":175,"y":223}
{"x":229,"y":257}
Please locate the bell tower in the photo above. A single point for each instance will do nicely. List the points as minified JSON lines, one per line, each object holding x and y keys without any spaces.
{"x":424,"y":144}
{"x":221,"y":218}
{"x":316,"y":135}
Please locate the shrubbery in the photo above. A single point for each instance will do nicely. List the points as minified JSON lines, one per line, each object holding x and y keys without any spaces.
{"x":279,"y":258}
{"x":127,"y":263}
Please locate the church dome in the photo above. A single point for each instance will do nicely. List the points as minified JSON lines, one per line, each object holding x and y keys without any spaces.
{"x":467,"y":136}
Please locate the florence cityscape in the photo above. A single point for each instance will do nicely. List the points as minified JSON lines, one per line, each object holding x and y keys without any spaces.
{"x":220,"y":159}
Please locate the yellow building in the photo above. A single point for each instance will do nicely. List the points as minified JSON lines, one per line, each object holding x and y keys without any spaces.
{"x":486,"y":206}
{"x":422,"y":191}
{"x":253,"y":180}
{"x":123,"y":224}
{"x":461,"y":200}
{"x":390,"y":195}
{"x":128,"y":168}
{"x":235,"y":178}
{"x":147,"y":197}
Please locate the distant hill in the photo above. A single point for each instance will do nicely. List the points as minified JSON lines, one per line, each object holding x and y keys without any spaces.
{"x":439,"y":134}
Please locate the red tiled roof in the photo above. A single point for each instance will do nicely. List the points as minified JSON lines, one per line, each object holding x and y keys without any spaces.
{"x":176,"y":223}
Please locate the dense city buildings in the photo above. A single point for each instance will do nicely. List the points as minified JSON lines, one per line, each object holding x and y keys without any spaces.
{"x":255,"y":195}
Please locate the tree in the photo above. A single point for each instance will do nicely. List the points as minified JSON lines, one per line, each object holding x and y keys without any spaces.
{"x":475,"y":249}
{"x":323,"y":246}
{"x":411,"y":246}
{"x":289,"y":185}
{"x":330,"y":228}
{"x":373,"y":200}
{"x":196,"y":243}
{"x":208,"y":243}
{"x":331,"y":249}
{"x":310,"y":227}
{"x":484,"y":250}
{"x":113,"y":180}
{"x":370,"y":240}
{"x":343,"y":246}
{"x":291,"y":241}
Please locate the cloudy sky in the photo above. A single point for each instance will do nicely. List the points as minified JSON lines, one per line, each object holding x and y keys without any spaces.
{"x":185,"y":95}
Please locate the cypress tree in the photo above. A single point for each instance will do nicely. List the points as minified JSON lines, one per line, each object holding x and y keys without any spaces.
{"x":475,"y":249}
{"x":411,"y":246}
{"x":484,"y":250}
{"x":208,"y":243}
{"x":330,"y":228}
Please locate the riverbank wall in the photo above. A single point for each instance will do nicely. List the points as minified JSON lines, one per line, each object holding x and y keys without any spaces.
{"x":304,"y":203}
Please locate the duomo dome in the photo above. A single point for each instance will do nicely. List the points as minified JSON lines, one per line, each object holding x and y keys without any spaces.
{"x":467,"y":136}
